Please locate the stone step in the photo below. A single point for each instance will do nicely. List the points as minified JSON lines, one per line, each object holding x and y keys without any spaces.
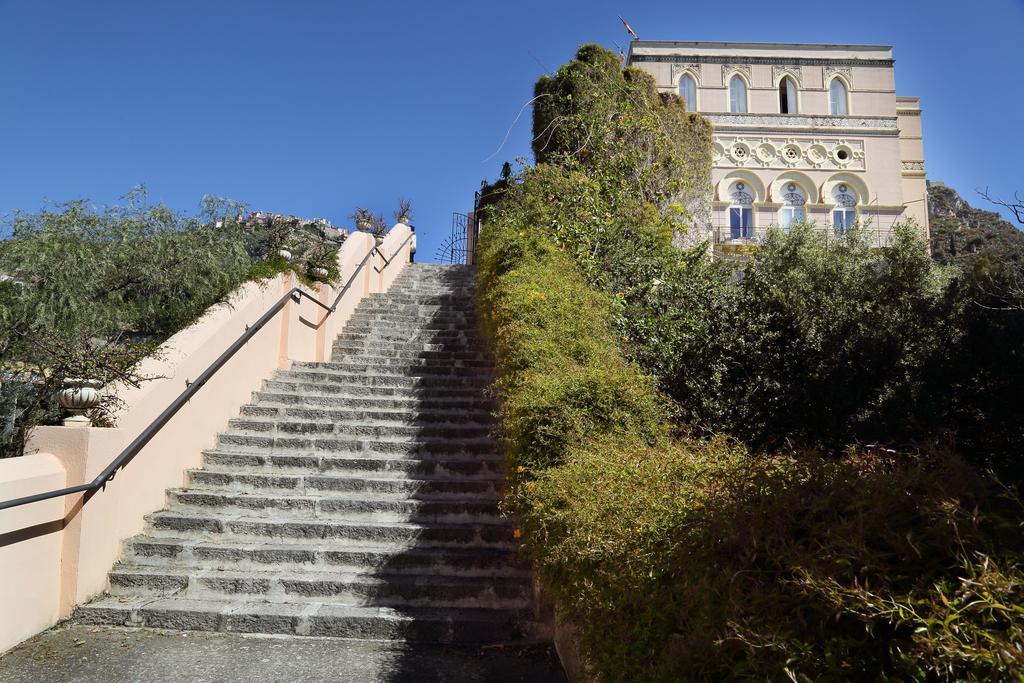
{"x":305,"y":531}
{"x":388,"y":590}
{"x":207,"y":554}
{"x":415,"y":315}
{"x":388,"y":400}
{"x":409,"y":391}
{"x":410,"y":416}
{"x":404,"y":349}
{"x":357,"y":428}
{"x":411,"y":361}
{"x":434,"y":467}
{"x":380,"y":509}
{"x":320,"y":484}
{"x":399,"y":330}
{"x":395,"y":338}
{"x":387,"y":324}
{"x":427,"y":329}
{"x":343,"y":369}
{"x":418,"y":311}
{"x":413,"y":285}
{"x":414,"y":301}
{"x":433,"y":625}
{"x":403,"y":359}
{"x":380,"y":336}
{"x":372,"y":355}
{"x":463,"y":300}
{"x":475,"y":380}
{"x":428,"y":325}
{"x":298,"y":445}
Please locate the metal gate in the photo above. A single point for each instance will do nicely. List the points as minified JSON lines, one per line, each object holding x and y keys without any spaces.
{"x":455,"y":247}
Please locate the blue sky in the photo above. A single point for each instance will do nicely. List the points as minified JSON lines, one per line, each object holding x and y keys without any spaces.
{"x":313,"y":107}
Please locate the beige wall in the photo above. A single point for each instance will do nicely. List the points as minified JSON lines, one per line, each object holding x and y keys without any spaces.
{"x":882,"y":129}
{"x":57,"y":553}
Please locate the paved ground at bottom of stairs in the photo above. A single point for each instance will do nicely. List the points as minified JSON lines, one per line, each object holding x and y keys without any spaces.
{"x":89,"y":653}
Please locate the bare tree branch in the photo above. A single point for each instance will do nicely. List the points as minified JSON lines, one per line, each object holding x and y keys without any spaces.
{"x":1016,"y":207}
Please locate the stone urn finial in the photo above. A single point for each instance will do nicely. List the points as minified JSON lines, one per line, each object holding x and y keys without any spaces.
{"x":78,"y":396}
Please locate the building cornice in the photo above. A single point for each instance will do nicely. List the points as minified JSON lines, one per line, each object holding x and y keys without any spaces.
{"x":755,"y":45}
{"x":776,"y":61}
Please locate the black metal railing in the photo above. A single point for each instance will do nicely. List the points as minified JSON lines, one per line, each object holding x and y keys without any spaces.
{"x":751,"y":236}
{"x":387,"y":261}
{"x":125,"y":456}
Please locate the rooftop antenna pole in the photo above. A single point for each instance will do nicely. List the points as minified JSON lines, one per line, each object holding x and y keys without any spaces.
{"x":631,"y":32}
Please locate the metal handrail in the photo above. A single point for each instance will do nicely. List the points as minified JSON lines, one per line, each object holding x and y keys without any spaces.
{"x":387,"y":261}
{"x":191,"y":389}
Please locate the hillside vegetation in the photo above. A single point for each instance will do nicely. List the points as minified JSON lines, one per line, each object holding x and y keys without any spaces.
{"x":962,"y":234}
{"x":686,"y":447}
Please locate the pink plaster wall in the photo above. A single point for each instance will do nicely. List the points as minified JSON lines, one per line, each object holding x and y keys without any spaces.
{"x":30,"y":548}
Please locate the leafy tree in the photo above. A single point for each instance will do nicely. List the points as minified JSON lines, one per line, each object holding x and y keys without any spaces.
{"x":92,"y":290}
{"x":834,"y":342}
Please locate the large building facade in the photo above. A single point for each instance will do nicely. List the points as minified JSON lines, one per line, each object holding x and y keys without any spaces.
{"x":801,"y":132}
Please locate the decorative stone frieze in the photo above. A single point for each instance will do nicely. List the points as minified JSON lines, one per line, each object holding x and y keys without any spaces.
{"x":730,"y":68}
{"x":857,"y":125}
{"x":912,"y":165}
{"x":793,"y":72}
{"x":692,"y":69}
{"x":785,"y":153}
{"x":827,"y":72}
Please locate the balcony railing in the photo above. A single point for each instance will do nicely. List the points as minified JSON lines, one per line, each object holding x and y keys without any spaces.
{"x":747,"y":239}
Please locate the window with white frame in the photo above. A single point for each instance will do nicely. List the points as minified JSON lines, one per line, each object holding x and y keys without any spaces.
{"x":787,"y":96}
{"x":838,"y":98}
{"x":793,"y":200}
{"x":688,"y":91}
{"x":844,"y":215}
{"x":741,"y":211}
{"x":737,"y":95}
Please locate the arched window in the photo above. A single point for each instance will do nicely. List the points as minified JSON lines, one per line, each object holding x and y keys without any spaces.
{"x":793,"y":200}
{"x":844,"y":215}
{"x":688,"y":91}
{"x":837,"y":98}
{"x":787,"y":96}
{"x":737,"y":95}
{"x":741,"y":212}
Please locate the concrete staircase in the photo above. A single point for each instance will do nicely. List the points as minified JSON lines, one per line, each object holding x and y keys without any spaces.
{"x":355,"y":498}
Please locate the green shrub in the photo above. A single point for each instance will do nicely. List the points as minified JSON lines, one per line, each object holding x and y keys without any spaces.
{"x":684,"y":559}
{"x":562,"y":377}
{"x":815,"y":314}
{"x":638,"y":144}
{"x":699,"y":562}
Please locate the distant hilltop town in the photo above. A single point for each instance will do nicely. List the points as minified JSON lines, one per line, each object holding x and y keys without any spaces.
{"x":321,"y":226}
